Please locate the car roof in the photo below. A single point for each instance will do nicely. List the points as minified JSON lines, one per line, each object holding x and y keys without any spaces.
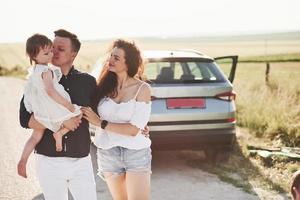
{"x":183,"y":53}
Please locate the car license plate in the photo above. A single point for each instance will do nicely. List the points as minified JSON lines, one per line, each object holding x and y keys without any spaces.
{"x":185,"y":103}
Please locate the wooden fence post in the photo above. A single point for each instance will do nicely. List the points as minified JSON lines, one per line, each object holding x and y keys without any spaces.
{"x":267,"y":73}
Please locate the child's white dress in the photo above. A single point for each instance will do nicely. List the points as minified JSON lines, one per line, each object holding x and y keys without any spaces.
{"x":47,"y":111}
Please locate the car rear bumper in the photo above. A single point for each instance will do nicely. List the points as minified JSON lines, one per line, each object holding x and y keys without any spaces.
{"x":193,"y":139}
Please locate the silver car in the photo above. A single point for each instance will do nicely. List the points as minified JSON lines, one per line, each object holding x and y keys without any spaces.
{"x":193,"y":102}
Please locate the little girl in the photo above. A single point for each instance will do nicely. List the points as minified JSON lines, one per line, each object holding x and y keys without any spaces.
{"x":45,"y":97}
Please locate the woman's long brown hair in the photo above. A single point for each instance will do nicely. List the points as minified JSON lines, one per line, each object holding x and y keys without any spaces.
{"x":107,"y":81}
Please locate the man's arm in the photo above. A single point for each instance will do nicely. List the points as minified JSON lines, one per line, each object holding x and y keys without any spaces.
{"x":27,"y":119}
{"x":24,"y":116}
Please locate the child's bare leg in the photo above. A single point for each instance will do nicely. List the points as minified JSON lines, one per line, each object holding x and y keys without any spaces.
{"x":58,"y":138}
{"x":35,"y":137}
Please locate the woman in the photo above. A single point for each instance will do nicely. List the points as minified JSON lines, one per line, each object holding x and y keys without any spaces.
{"x":124,"y":106}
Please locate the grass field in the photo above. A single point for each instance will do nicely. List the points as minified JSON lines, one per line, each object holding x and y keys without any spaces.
{"x":271,"y":110}
{"x":249,"y":48}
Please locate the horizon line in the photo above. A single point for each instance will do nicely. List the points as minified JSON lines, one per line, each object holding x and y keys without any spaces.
{"x":188,"y":35}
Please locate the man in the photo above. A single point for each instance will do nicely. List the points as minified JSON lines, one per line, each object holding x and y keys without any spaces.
{"x":71,"y":168}
{"x":295,"y":186}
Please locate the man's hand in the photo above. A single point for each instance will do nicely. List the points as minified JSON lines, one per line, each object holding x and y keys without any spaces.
{"x":146,"y":131}
{"x":73,"y":123}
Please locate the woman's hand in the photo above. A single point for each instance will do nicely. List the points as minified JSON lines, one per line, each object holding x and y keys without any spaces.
{"x":91,"y":116}
{"x":146,"y":131}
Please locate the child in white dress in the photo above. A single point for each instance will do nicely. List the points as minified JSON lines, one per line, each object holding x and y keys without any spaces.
{"x":45,"y":97}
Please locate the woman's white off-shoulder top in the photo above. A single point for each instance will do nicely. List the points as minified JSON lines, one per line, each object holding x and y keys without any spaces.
{"x":133,"y":112}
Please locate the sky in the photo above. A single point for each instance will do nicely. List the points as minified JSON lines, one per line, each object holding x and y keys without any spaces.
{"x":99,"y":19}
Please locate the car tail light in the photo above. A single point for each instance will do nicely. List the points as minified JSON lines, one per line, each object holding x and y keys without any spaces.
{"x":227,"y":96}
{"x":231,"y":120}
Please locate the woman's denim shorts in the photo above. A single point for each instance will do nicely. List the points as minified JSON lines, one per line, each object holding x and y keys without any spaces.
{"x":118,"y":160}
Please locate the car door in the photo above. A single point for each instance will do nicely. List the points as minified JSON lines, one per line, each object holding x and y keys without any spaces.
{"x":228,"y":65}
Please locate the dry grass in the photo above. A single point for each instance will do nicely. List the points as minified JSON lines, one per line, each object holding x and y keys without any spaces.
{"x":251,"y":174}
{"x":267,"y":110}
{"x":270,"y":110}
{"x":12,"y":55}
{"x":274,"y":173}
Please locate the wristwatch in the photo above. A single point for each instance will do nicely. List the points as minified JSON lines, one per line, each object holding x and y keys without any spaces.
{"x":104,"y":124}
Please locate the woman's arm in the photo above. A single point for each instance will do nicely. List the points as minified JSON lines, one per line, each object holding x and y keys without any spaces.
{"x":51,"y":91}
{"x":121,"y":128}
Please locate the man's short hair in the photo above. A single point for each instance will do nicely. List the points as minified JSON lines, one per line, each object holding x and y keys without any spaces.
{"x":66,"y":34}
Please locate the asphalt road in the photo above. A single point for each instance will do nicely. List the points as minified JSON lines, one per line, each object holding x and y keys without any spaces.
{"x":172,"y":177}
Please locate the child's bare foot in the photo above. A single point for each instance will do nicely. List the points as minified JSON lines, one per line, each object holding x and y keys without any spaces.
{"x":22,"y":168}
{"x":58,"y":141}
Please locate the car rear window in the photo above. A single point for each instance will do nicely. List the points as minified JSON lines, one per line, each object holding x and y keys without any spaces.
{"x":183,"y":72}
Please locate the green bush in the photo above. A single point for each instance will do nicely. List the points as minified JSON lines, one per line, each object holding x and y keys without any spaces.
{"x":17,"y":71}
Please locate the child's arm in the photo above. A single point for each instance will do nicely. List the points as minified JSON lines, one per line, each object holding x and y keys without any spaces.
{"x":51,"y":91}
